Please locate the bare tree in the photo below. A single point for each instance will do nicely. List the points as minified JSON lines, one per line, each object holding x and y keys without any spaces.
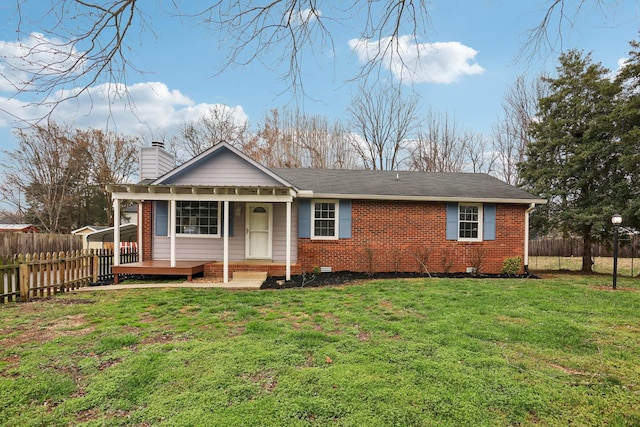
{"x":114,"y":159}
{"x":88,"y":41}
{"x":274,"y":143}
{"x":56,"y":176}
{"x":46,"y":168}
{"x":289,"y":138}
{"x":85,"y":45}
{"x":220,"y":123}
{"x":323,"y":145}
{"x":480,"y":154}
{"x":511,"y":133}
{"x":559,"y":19}
{"x":440,"y":146}
{"x":383,"y":120}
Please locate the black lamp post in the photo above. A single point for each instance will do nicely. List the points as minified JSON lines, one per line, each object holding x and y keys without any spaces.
{"x":616,"y":220}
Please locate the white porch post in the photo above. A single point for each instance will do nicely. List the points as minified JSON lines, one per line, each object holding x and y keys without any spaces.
{"x":225,"y":251}
{"x":288,"y":245}
{"x":116,"y":231}
{"x":172,"y":230}
{"x":140,"y":234}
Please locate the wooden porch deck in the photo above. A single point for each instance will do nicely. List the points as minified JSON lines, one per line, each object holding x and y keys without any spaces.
{"x":212,"y":269}
{"x":160,"y":267}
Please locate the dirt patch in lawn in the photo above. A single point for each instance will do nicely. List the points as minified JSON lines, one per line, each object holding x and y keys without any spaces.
{"x":35,"y":332}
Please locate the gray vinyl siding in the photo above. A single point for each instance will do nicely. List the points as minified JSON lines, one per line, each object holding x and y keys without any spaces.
{"x":155,"y":162}
{"x":202,"y":248}
{"x":222,"y":168}
{"x":211,"y":249}
{"x":279,"y":248}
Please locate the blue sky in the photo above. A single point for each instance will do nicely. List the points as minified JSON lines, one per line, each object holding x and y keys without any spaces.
{"x":478,"y":43}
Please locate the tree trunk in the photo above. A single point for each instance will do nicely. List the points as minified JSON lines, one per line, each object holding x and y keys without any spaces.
{"x":587,"y":262}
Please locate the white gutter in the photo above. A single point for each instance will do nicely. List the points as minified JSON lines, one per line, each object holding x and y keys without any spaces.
{"x":531,"y":207}
{"x":305,"y":195}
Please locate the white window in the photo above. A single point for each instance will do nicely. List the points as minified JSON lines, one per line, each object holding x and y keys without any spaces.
{"x":470,"y":222}
{"x":324,"y":219}
{"x":198,"y":218}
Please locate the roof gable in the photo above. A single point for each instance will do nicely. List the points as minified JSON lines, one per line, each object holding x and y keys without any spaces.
{"x":89,"y":229}
{"x":221,"y":165}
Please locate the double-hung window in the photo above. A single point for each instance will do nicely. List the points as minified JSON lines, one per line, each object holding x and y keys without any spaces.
{"x":198,"y":218}
{"x":470,"y":222}
{"x":324,"y":219}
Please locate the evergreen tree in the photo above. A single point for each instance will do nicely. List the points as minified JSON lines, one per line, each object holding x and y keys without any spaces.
{"x":575,"y":159}
{"x":628,"y":129}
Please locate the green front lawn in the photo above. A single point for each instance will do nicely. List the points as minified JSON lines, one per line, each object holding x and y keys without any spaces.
{"x":443,"y":352}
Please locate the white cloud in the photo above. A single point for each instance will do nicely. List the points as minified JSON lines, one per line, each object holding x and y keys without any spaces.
{"x":143,"y":109}
{"x":37,"y":55}
{"x":409,"y":61}
{"x":622,"y":62}
{"x":305,"y":16}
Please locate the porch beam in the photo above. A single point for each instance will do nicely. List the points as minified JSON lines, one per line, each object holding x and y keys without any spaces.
{"x":249,"y":198}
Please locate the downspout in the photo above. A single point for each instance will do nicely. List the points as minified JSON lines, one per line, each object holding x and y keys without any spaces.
{"x":531,"y":207}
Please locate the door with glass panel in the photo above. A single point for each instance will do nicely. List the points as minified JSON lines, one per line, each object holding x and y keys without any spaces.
{"x":258,"y":230}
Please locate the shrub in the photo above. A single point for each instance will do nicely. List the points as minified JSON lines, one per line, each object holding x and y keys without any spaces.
{"x":511,"y":266}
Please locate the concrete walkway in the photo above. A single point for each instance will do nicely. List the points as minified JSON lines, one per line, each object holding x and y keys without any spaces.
{"x":235,"y":284}
{"x":241,"y":280}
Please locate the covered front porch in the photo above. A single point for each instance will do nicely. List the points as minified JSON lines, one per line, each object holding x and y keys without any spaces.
{"x":211,"y":269}
{"x":260,"y":215}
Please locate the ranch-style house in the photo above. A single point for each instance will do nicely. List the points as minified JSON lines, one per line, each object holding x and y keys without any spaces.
{"x":223,"y":212}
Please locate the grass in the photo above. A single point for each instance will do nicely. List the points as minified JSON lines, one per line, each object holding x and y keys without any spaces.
{"x":603,"y":265}
{"x":558,"y":351}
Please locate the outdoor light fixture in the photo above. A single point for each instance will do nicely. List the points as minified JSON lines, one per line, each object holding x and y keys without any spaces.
{"x":616,"y":220}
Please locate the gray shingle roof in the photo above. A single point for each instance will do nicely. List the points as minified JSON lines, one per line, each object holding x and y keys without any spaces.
{"x":401,"y":184}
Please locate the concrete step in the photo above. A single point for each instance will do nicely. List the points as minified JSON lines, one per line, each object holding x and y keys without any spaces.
{"x":250,"y":275}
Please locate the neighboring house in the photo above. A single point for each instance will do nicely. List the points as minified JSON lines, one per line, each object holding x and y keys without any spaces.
{"x":101,"y":236}
{"x":231,"y":213}
{"x":86,"y":230}
{"x":18,"y":228}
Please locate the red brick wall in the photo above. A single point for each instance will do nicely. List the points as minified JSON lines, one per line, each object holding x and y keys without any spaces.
{"x":147,"y":230}
{"x":391,"y":236}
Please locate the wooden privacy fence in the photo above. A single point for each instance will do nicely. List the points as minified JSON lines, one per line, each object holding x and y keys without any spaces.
{"x":629,"y":247}
{"x":28,"y":243}
{"x":38,"y":275}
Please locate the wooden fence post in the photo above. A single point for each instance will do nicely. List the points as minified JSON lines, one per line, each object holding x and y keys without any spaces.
{"x":63,"y":271}
{"x":24,"y":281}
{"x":96,"y":267}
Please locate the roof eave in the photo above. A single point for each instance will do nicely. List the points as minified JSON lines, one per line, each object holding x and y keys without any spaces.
{"x":422,"y":198}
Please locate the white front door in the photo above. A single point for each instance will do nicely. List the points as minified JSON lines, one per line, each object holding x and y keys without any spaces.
{"x":258,"y":244}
